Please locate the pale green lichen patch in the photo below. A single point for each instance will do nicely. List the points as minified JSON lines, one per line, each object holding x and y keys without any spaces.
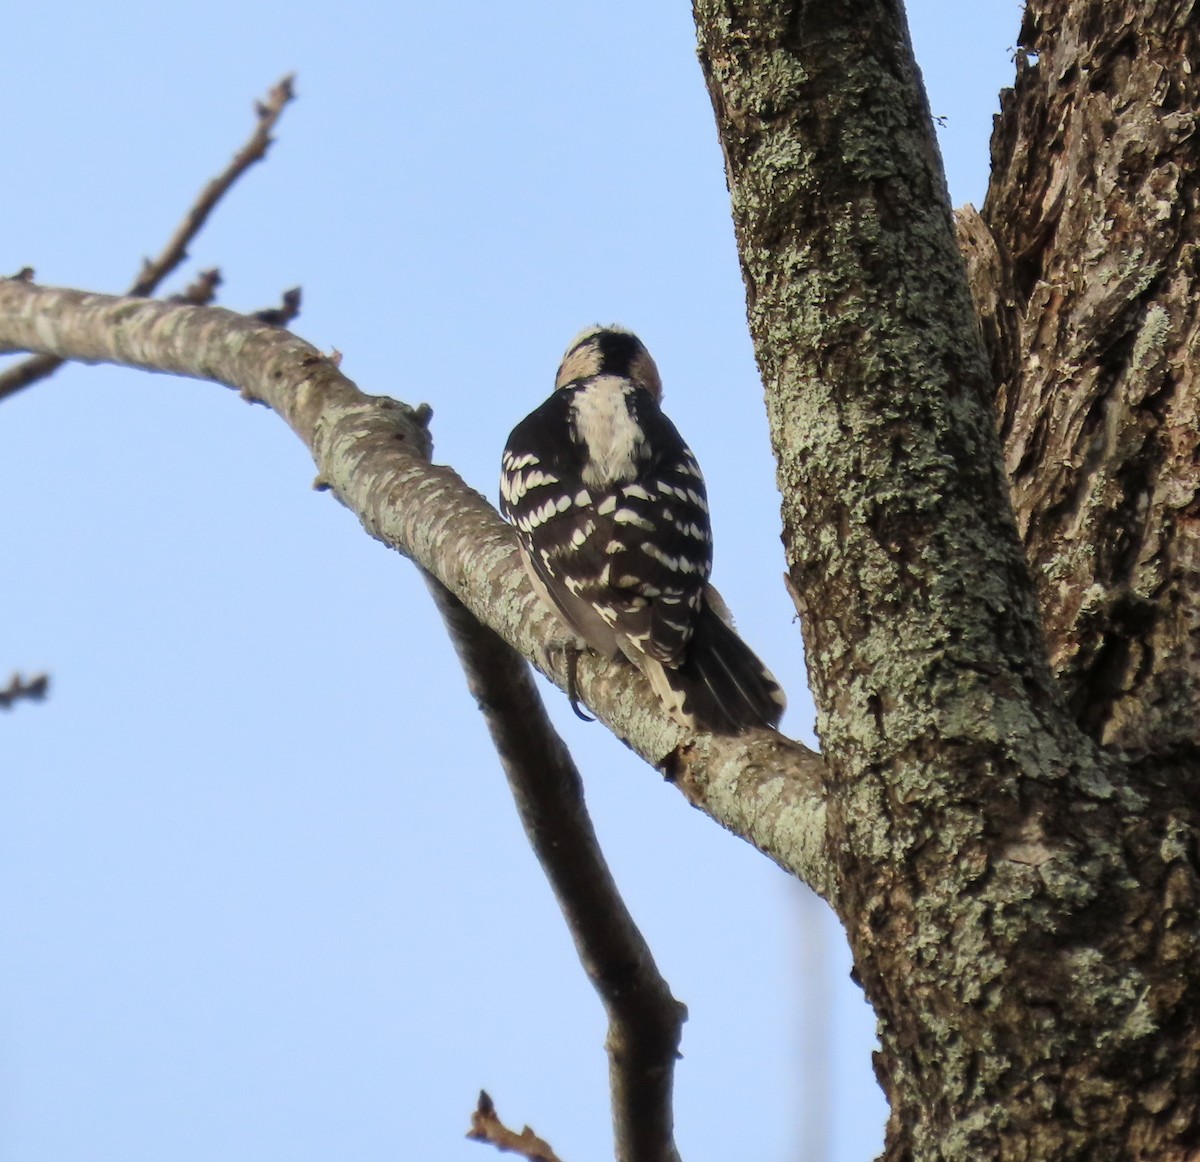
{"x":1122,"y":991}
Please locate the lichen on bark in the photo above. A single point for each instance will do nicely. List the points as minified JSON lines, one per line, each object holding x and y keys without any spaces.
{"x":999,"y":874}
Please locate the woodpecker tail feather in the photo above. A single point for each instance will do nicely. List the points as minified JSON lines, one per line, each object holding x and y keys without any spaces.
{"x":722,"y":687}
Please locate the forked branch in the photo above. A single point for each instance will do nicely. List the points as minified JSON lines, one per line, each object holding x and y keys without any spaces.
{"x":153,"y":271}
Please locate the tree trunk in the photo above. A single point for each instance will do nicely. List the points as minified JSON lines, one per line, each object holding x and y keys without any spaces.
{"x":1021,"y":897}
{"x":1093,"y":203}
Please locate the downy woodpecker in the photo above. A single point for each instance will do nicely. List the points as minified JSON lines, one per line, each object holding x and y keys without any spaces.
{"x":612,"y":520}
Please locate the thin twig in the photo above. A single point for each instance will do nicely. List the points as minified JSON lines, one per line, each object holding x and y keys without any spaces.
{"x":34,"y":689}
{"x":201,"y":291}
{"x":282,"y":315}
{"x":255,"y":149}
{"x":153,"y":271}
{"x":644,"y":1019}
{"x":486,"y":1126}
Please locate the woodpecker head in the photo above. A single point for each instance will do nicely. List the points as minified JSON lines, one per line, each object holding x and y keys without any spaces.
{"x":609,"y":351}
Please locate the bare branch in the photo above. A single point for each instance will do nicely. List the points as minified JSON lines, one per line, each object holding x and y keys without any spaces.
{"x":644,"y":1019}
{"x":486,"y":1126}
{"x":34,"y":690}
{"x":371,"y":452}
{"x":153,"y":271}
{"x":255,"y":149}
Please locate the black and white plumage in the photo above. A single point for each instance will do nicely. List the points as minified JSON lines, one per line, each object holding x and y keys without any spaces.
{"x":612,"y":519}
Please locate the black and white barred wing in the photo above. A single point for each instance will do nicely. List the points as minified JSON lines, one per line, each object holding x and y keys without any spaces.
{"x":625,"y":564}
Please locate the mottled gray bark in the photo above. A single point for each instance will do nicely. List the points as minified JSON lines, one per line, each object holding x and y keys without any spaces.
{"x":1021,"y":903}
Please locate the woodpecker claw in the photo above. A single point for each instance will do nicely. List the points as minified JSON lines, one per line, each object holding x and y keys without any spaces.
{"x":572,"y":687}
{"x":569,"y":647}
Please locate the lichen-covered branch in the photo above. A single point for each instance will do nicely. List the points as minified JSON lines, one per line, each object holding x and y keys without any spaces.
{"x":896,"y":512}
{"x":371,"y":451}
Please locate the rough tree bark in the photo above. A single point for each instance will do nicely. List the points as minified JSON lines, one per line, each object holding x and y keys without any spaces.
{"x":1093,"y":202}
{"x":1020,"y":895}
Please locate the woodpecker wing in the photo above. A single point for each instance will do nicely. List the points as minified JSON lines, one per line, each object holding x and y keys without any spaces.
{"x":633,"y":549}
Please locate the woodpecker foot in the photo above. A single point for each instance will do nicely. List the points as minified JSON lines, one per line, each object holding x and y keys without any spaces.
{"x":572,"y":689}
{"x":570,"y":648}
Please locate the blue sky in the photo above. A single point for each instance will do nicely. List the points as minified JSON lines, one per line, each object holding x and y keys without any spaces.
{"x":263,"y":892}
